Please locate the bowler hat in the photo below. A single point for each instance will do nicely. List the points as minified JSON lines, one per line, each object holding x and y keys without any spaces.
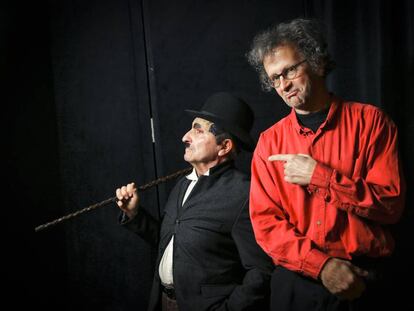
{"x":231,"y":114}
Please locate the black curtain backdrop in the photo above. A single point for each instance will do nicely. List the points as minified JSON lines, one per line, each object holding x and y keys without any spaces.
{"x":85,"y":82}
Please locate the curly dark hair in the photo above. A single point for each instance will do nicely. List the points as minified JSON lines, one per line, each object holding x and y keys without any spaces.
{"x":305,"y":35}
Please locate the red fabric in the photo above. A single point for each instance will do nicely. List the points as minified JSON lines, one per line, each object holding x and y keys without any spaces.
{"x":357,"y":186}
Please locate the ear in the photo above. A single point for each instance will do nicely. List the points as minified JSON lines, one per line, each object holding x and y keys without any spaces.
{"x":226,"y":146}
{"x":320,"y":72}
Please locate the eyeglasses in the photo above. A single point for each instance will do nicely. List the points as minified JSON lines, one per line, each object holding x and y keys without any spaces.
{"x":287,"y":74}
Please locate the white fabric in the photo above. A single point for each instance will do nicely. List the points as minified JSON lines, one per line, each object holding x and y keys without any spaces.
{"x":166,"y":264}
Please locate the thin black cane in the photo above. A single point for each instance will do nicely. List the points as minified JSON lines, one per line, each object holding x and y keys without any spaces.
{"x":112,"y":200}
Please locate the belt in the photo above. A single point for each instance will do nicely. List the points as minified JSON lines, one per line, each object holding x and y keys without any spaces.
{"x":169,"y":291}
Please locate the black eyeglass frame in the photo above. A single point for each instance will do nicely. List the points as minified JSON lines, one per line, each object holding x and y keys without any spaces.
{"x":274,"y":81}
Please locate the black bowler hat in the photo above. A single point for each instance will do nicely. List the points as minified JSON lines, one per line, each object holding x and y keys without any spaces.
{"x":231,"y":114}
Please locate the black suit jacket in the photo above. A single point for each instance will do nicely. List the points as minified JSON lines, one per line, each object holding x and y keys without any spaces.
{"x":217,"y":264}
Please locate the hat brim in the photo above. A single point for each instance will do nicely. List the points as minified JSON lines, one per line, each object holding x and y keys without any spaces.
{"x":244,"y":139}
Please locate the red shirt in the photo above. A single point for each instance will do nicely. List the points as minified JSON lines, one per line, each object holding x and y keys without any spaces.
{"x":357,"y":187}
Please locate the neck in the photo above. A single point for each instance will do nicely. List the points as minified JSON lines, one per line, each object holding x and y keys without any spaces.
{"x":320,"y":100}
{"x":202,"y":167}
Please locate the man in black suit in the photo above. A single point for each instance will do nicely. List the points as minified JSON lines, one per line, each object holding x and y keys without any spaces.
{"x":208,"y":257}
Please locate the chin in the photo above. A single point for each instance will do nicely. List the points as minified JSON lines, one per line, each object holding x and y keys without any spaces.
{"x":296,"y":103}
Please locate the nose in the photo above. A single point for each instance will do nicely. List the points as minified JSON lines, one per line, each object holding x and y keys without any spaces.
{"x":186,"y":138}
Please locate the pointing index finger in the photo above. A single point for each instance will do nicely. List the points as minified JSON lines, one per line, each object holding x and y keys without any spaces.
{"x":280,"y":157}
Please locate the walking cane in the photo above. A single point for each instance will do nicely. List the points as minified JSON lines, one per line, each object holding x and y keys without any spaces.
{"x":112,"y":200}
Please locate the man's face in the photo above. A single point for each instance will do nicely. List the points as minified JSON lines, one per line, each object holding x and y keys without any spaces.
{"x":200,"y":144}
{"x":297,"y":92}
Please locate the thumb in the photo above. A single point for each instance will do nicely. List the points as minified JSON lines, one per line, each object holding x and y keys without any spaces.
{"x":359,"y":271}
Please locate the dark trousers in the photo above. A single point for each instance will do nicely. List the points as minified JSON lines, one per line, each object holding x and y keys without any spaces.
{"x":291,"y":291}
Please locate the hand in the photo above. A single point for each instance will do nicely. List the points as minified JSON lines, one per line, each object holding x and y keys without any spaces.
{"x":128,"y":199}
{"x":298,"y":167}
{"x":343,"y":279}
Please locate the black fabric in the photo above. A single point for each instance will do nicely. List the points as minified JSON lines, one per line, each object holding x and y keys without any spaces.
{"x":168,"y":304}
{"x":313,"y":120}
{"x":217,"y":263}
{"x":81,"y":82}
{"x":169,"y":292}
{"x":231,"y":113}
{"x":293,"y":292}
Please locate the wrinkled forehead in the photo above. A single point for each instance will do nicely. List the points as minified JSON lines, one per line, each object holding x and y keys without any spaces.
{"x":202,"y":124}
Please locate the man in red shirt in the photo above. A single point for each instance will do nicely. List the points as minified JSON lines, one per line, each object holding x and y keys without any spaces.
{"x":326,"y":179}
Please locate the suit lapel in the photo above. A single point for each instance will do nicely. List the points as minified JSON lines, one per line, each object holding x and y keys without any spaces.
{"x":202,"y":186}
{"x":181,"y":193}
{"x":199,"y":190}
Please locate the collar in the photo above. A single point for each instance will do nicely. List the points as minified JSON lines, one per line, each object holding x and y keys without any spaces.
{"x":213,"y":171}
{"x":193,"y":175}
{"x":333,"y":108}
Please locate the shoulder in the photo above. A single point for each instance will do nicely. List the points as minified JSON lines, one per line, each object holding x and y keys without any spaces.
{"x":279,"y":125}
{"x":276,"y":132}
{"x":235,"y":180}
{"x":367,"y":113}
{"x":367,"y":109}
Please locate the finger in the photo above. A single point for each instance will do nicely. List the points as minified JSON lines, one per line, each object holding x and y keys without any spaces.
{"x":356,"y":290}
{"x":131,"y":189}
{"x":304,"y":155}
{"x":359,"y":271}
{"x":281,"y":157}
{"x":119,"y":197}
{"x":118,"y":194}
{"x":124,"y":192}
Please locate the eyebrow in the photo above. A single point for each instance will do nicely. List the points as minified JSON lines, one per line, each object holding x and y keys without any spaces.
{"x":196,"y":126}
{"x":273,"y":77}
{"x":277,"y":75}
